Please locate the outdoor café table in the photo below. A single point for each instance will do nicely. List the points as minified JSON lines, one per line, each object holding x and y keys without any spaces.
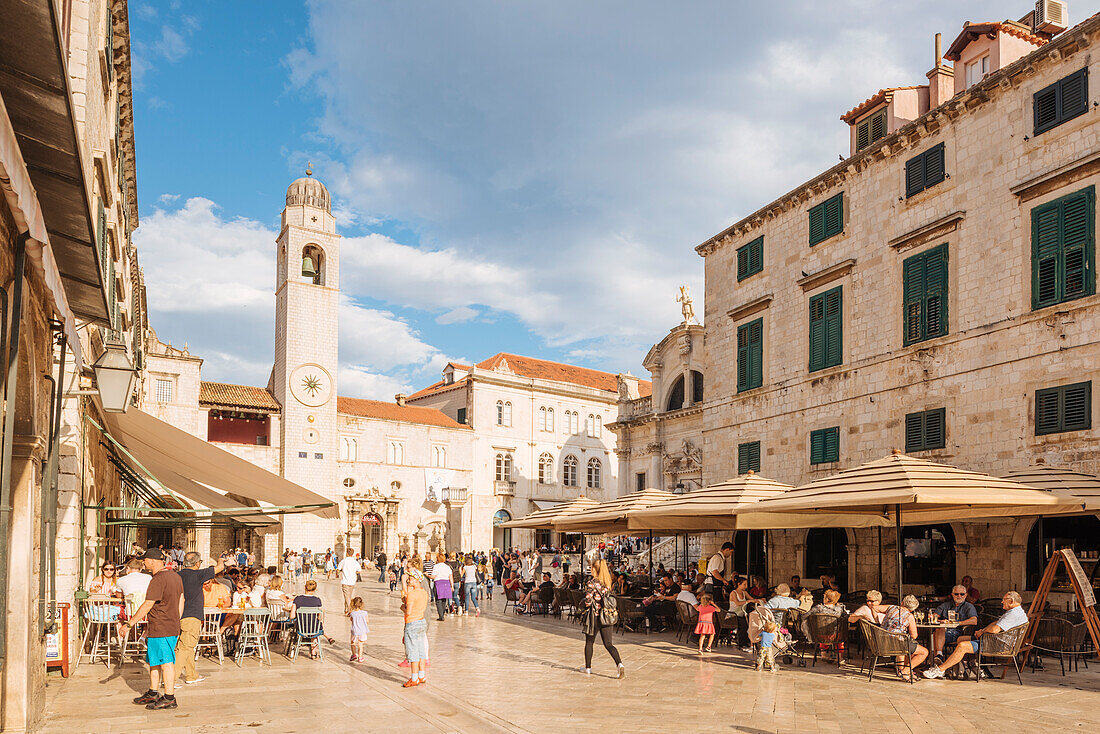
{"x":933,"y":627}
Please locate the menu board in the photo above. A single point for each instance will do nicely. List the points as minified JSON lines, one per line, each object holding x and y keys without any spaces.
{"x":1088,"y":596}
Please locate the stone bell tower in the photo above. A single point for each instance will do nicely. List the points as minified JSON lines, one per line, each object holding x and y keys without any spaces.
{"x":307,"y":293}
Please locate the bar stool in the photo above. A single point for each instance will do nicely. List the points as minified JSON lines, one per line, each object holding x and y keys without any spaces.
{"x":210,"y":636}
{"x":100,"y":615}
{"x":253,"y":637}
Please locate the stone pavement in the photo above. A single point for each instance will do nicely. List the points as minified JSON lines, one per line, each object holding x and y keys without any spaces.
{"x":505,"y":673}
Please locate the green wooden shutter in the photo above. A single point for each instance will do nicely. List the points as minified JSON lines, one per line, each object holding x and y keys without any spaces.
{"x":1073,"y":95}
{"x":817,"y":224}
{"x":1077,"y":407}
{"x":934,"y":171}
{"x":913,"y":293}
{"x":1046,"y":247}
{"x":833,"y":328}
{"x":1045,"y":102}
{"x":935,"y":292}
{"x":748,"y":457}
{"x":834,"y":215}
{"x":817,"y":332}
{"x":750,"y":355}
{"x":1077,"y":230}
{"x":101,"y":235}
{"x":914,"y":175}
{"x":742,"y":358}
{"x":750,"y":258}
{"x":863,"y":135}
{"x":878,"y":126}
{"x":1046,"y":411}
{"x":914,"y":432}
{"x":817,"y":447}
{"x":935,"y":429}
{"x":1063,"y":249}
{"x":832,"y":444}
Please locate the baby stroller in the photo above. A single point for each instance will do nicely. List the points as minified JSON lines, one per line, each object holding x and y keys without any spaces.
{"x":784,"y":641}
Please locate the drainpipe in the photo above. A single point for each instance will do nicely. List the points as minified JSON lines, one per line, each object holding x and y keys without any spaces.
{"x":9,"y":429}
{"x":44,"y":495}
{"x":50,"y":509}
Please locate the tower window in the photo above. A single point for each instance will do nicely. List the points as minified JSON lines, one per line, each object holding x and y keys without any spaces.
{"x":313,"y":265}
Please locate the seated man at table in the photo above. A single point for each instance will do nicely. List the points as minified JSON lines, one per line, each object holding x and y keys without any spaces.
{"x":900,"y":620}
{"x":965,"y":614}
{"x":513,"y":582}
{"x":867,"y":611}
{"x":661,"y":605}
{"x":214,"y":595}
{"x":782,"y":598}
{"x":545,"y":588}
{"x":687,"y":593}
{"x":1013,"y":617}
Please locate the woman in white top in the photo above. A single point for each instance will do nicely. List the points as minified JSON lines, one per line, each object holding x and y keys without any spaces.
{"x":469,"y":578}
{"x":443,"y":578}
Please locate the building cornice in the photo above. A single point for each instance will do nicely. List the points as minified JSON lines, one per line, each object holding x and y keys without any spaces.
{"x":1064,"y":175}
{"x":748,"y":309}
{"x":927,"y":232}
{"x":911,"y":135}
{"x":827,"y":275}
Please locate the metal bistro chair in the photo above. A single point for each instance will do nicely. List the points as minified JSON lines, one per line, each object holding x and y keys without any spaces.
{"x":210,"y":636}
{"x":631,"y":614}
{"x":134,"y":644}
{"x":883,"y":644}
{"x":686,"y":617}
{"x":541,"y":601}
{"x":1002,"y":647}
{"x":307,"y":628}
{"x":825,"y":630}
{"x":253,"y":638}
{"x":577,"y":599}
{"x":100,"y":615}
{"x":279,"y":620}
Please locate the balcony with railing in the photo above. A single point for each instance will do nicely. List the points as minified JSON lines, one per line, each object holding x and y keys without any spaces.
{"x":635,"y":408}
{"x":454,"y":495}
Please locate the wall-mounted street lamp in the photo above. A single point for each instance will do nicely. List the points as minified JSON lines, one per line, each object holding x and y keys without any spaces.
{"x":115,"y":378}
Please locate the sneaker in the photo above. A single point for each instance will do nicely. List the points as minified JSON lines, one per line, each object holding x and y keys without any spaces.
{"x":933,"y":672}
{"x":622,"y":671}
{"x":164,"y":702}
{"x":937,"y":659}
{"x":403,"y":664}
{"x":746,"y":649}
{"x":147,"y":697}
{"x":354,"y":658}
{"x":196,"y":679}
{"x":586,"y":671}
{"x":178,"y":685}
{"x":477,"y":613}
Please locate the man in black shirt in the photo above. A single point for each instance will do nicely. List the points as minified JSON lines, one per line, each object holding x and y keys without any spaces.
{"x":381,"y":563}
{"x":662,"y":605}
{"x":191,"y":620}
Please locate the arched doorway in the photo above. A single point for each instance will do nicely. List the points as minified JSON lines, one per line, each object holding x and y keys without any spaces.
{"x":502,"y":537}
{"x":1049,"y":534}
{"x":928,"y":555}
{"x":750,"y":553}
{"x":374,"y":535}
{"x":827,"y":553}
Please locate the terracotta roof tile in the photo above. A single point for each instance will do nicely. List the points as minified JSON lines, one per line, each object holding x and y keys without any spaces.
{"x":882,"y":95}
{"x":437,"y":387}
{"x":556,"y":371}
{"x":972,"y":31}
{"x":224,"y":395}
{"x":394,"y":412}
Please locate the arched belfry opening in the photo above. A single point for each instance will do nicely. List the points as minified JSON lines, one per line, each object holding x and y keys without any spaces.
{"x":313,"y":264}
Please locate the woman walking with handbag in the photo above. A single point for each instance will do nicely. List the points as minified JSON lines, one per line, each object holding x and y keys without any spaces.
{"x":600,"y":615}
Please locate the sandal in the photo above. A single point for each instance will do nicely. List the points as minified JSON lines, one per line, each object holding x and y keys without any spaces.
{"x":410,"y":683}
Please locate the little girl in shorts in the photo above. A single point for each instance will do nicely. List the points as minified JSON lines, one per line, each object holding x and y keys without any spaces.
{"x":359,"y":629}
{"x":705,"y":627}
{"x":767,"y":646}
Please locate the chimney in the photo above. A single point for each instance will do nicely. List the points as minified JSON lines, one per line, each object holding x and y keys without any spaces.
{"x":400,"y":398}
{"x":941,"y":80}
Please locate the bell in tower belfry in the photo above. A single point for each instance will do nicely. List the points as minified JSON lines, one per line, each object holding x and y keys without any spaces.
{"x":309,"y":268}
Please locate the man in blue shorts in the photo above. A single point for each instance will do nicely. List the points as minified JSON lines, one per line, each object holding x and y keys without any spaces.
{"x":965,"y":614}
{"x":1013,"y":617}
{"x":162,"y":606}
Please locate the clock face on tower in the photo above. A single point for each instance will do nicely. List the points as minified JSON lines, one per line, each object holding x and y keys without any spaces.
{"x":311,"y":385}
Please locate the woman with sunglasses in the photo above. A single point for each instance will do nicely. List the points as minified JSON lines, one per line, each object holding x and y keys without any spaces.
{"x":106,"y":582}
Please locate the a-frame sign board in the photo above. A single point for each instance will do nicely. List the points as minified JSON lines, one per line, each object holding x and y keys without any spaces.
{"x":1082,"y":588}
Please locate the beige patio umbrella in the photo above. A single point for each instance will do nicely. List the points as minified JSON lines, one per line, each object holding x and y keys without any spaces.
{"x":925,"y":491}
{"x":610,"y":517}
{"x":543,"y":519}
{"x":1061,"y":481}
{"x":708,"y":508}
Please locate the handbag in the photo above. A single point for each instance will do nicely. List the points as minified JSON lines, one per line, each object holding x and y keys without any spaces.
{"x":609,"y":612}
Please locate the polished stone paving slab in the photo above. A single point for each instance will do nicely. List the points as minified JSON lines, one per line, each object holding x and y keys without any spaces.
{"x":505,"y":673}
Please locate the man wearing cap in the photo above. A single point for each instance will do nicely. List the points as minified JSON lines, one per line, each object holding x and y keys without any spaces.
{"x":162,"y":607}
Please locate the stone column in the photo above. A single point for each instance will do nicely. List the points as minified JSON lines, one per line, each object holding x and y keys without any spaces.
{"x":853,"y":558}
{"x":656,"y":477}
{"x":962,"y":561}
{"x":24,"y":671}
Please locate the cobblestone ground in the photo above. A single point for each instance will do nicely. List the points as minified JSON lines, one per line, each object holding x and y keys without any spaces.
{"x":520,"y":674}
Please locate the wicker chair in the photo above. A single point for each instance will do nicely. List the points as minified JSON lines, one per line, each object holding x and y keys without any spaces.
{"x":541,"y":601}
{"x":512,"y":596}
{"x":825,"y":630}
{"x":883,"y":644}
{"x":631,"y":615}
{"x":687,"y":616}
{"x":576,"y":599}
{"x":1003,"y":647}
{"x":561,"y":600}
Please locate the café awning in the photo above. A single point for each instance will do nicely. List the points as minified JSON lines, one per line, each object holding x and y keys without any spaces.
{"x":1063,"y":482}
{"x":167,"y":450}
{"x":543,"y":519}
{"x":610,"y":517}
{"x":715,"y":507}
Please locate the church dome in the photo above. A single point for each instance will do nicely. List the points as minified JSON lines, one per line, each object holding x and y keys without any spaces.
{"x":308,"y":191}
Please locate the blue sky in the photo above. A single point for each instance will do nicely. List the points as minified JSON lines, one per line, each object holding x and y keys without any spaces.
{"x":508,"y":176}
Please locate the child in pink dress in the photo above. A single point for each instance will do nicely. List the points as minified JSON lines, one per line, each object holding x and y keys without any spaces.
{"x":705,"y":626}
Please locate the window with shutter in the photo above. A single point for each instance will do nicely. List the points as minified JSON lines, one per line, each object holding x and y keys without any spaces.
{"x":827,"y":219}
{"x":748,"y":457}
{"x":750,"y":258}
{"x":871,"y":129}
{"x":750,"y":355}
{"x":1063,"y":408}
{"x":924,"y":288}
{"x":926,"y":431}
{"x":1063,"y":249}
{"x":826,"y":329}
{"x":1062,"y":101}
{"x":925,"y":170}
{"x":825,"y":445}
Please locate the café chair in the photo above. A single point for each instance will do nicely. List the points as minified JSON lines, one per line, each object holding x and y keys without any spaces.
{"x":686,"y":617}
{"x":279,"y":619}
{"x":824,"y":631}
{"x":101,"y":616}
{"x":512,"y":596}
{"x":1002,"y":647}
{"x":307,"y":628}
{"x":253,"y":637}
{"x":631,"y":615}
{"x":210,"y":636}
{"x":883,"y":644}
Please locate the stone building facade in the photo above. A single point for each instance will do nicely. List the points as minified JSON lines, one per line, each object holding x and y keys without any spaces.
{"x":540,"y":437}
{"x":934,"y":293}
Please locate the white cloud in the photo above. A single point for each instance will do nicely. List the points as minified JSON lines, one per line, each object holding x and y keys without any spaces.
{"x":458,"y":315}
